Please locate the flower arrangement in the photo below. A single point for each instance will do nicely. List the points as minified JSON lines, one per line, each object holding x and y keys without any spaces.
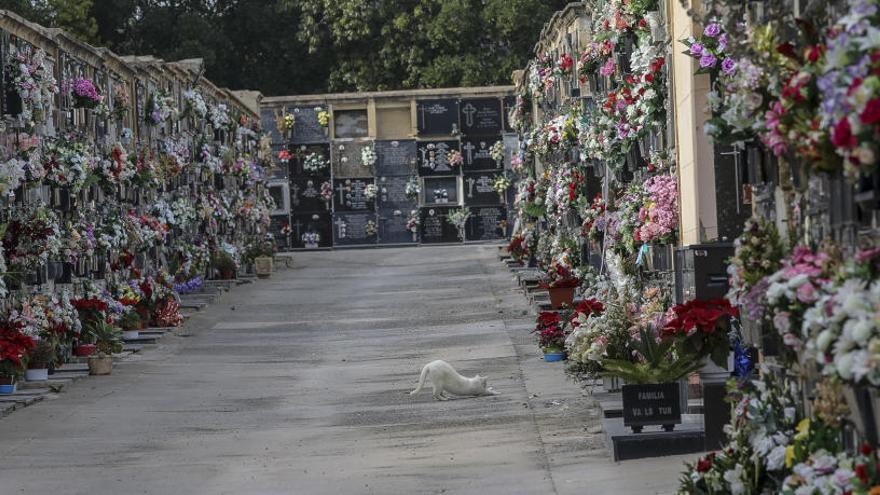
{"x":458,"y":219}
{"x":598,"y":337}
{"x":188,"y":286}
{"x":701,"y":328}
{"x":283,"y":156}
{"x":314,"y":163}
{"x":757,"y":254}
{"x":67,"y":163}
{"x":195,"y":103}
{"x":502,"y":184}
{"x":160,"y":107}
{"x":371,"y":191}
{"x":14,"y":349}
{"x":802,"y":280}
{"x":311,"y":238}
{"x":368,"y":156}
{"x":849,"y":88}
{"x":371,"y":228}
{"x":413,"y":221}
{"x":84,"y":93}
{"x":33,"y":80}
{"x":413,"y":189}
{"x":551,"y":336}
{"x":659,"y":214}
{"x":288,"y":121}
{"x":327,"y":191}
{"x":31,"y":238}
{"x":559,"y":276}
{"x":323,"y":117}
{"x":593,"y":214}
{"x":218,"y":116}
{"x":497,"y":151}
{"x":842,"y":328}
{"x":454,"y":158}
{"x":517,"y":247}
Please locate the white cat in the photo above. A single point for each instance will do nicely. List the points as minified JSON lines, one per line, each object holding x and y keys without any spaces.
{"x":446,"y":379}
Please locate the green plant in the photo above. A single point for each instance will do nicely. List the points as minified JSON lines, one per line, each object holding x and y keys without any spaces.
{"x":660,"y":365}
{"x":42,"y":355}
{"x":223,"y":261}
{"x":106,"y":337}
{"x":130,"y":320}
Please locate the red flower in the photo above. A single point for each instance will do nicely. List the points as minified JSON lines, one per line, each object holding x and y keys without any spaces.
{"x":815,"y":52}
{"x":862,"y":473}
{"x":871,"y":114}
{"x":842,"y":136}
{"x":547,"y":318}
{"x":649,"y":78}
{"x":589,"y":307}
{"x":705,"y":463}
{"x":657,"y":64}
{"x":866,"y":449}
{"x":698,"y":315}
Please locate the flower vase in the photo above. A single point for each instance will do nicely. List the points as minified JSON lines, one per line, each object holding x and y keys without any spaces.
{"x":100,"y":365}
{"x":415,"y":237}
{"x":553,"y":355}
{"x":561,"y":296}
{"x":7,"y":385}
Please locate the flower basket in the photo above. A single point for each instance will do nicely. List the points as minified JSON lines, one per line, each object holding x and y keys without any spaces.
{"x":100,"y":365}
{"x":263,"y":266}
{"x":561,"y":296}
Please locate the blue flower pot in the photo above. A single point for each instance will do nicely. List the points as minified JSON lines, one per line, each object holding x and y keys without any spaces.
{"x":554,"y":356}
{"x":7,"y":389}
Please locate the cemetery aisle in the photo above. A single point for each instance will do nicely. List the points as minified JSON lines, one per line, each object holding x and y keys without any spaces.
{"x":299,"y":385}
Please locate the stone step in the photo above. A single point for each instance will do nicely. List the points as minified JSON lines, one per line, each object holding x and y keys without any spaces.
{"x":142,"y":339}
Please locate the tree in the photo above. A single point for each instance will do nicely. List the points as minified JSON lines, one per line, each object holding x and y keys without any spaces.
{"x":74,"y":16}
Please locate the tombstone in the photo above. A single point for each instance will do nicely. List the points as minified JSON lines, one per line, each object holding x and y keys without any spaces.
{"x":350,"y":124}
{"x":350,"y":195}
{"x":480,"y":116}
{"x":311,"y":223}
{"x":440,"y":190}
{"x":479,"y":189}
{"x":305,"y":194}
{"x":306,"y":129}
{"x":346,"y":161}
{"x":437,"y":117}
{"x":392,"y":227}
{"x":432,"y":158}
{"x":392,"y":193}
{"x":486,"y":223}
{"x":477,"y":154}
{"x":298,"y":157}
{"x":433,"y":226}
{"x":395,"y":158}
{"x":508,"y":103}
{"x":353,"y":229}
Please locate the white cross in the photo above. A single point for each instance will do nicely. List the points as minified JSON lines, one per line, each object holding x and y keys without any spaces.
{"x":469,"y":110}
{"x":471,"y":183}
{"x":340,"y":224}
{"x":341,"y":189}
{"x":469,"y":153}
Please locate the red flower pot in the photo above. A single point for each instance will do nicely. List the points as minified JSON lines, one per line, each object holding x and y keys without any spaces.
{"x":561,"y":296}
{"x":84,"y":350}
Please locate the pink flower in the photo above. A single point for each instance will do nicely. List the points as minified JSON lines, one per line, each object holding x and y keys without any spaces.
{"x":781,"y":321}
{"x":806,"y":293}
{"x":608,"y":68}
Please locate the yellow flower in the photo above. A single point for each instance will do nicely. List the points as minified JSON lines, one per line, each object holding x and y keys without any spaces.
{"x":803,"y":428}
{"x":789,"y":456}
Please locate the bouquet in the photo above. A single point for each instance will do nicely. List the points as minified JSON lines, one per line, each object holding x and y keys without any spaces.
{"x":314,"y":163}
{"x":368,"y":156}
{"x":413,"y":189}
{"x":412,"y":222}
{"x":84,"y":93}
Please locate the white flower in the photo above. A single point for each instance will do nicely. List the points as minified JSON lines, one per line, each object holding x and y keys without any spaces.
{"x":734,"y":478}
{"x":824,"y":340}
{"x":776,"y":459}
{"x":843,"y":363}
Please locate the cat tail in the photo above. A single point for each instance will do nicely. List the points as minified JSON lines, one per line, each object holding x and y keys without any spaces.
{"x":422,"y":378}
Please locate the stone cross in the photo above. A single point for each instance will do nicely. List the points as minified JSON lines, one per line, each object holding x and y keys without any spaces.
{"x":340,"y":225}
{"x":471,"y":181}
{"x":341,"y":188}
{"x":294,"y":192}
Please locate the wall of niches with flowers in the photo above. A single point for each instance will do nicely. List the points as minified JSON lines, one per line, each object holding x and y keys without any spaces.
{"x":441,"y":175}
{"x":122,"y":182}
{"x":793,"y":98}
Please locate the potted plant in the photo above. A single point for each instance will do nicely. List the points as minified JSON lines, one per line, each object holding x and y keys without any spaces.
{"x":561,"y":286}
{"x":262,"y":252}
{"x":551,"y":336}
{"x":131,"y":323}
{"x":107,"y":341}
{"x":701,"y":328}
{"x":39,"y":359}
{"x":14,"y":349}
{"x":224,"y":264}
{"x":651,"y":394}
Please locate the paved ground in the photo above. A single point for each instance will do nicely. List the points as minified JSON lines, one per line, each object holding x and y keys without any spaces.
{"x":297,"y":385}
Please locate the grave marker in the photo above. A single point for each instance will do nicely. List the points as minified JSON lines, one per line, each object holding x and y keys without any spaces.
{"x":480,"y":116}
{"x":354,"y":229}
{"x":395,"y":157}
{"x":437,"y":117}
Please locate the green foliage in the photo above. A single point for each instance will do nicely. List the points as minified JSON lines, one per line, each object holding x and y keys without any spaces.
{"x":42,"y":355}
{"x":661,"y":364}
{"x":107,"y":338}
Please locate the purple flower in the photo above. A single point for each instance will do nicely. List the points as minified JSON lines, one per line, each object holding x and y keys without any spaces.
{"x":696,"y":49}
{"x":722,"y":42}
{"x":728,"y":66}
{"x":712,"y":30}
{"x":708,"y":61}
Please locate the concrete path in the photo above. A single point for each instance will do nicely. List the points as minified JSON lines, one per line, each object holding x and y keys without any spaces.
{"x":298,"y":385}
